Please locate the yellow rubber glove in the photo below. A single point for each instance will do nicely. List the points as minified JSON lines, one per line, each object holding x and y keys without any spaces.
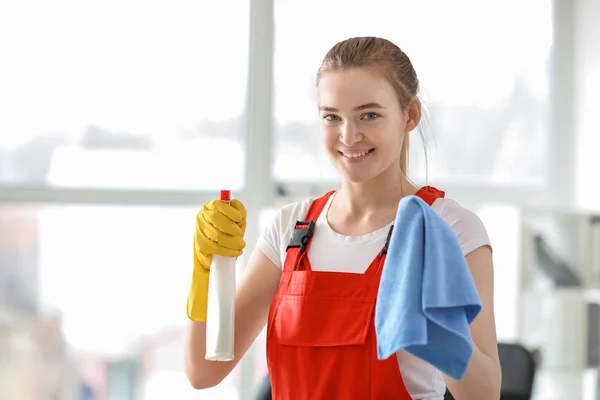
{"x":220,"y":229}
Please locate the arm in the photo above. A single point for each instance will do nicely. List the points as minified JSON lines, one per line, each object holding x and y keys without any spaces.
{"x":483,"y":376}
{"x":253,"y":298}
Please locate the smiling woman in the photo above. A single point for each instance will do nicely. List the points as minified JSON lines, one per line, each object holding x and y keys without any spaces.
{"x":377,"y":130}
{"x":384,"y":121}
{"x":368,"y":107}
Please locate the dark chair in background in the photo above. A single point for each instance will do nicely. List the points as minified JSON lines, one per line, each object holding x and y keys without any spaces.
{"x":518,"y":374}
{"x":264,"y":391}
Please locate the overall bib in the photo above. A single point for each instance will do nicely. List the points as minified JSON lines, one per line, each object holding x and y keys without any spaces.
{"x":321,"y":342}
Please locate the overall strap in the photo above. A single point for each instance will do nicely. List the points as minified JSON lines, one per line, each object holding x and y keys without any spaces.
{"x":429,"y":195}
{"x":303,"y":233}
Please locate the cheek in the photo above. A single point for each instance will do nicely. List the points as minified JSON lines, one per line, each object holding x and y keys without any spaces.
{"x":387,"y":136}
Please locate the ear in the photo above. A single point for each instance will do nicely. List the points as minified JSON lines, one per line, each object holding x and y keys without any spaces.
{"x":413,"y":114}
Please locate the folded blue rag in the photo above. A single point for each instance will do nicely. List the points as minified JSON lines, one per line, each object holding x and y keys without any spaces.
{"x":427,"y":297}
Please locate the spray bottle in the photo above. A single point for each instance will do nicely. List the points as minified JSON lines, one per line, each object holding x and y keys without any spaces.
{"x":220,"y":315}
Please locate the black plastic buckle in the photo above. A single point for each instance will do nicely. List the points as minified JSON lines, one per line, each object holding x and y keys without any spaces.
{"x":387,"y":242}
{"x":303,"y":232}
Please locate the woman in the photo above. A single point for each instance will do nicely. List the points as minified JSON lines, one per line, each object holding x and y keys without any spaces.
{"x":368,"y":105}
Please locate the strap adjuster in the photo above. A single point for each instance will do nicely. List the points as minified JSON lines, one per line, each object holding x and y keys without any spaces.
{"x":387,"y":242}
{"x":303,"y":232}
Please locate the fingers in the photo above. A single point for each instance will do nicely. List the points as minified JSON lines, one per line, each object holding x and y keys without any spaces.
{"x":233,"y":242}
{"x":232,"y":210}
{"x":211,"y":240}
{"x":219,"y":221}
{"x":219,"y":231}
{"x":203,"y":260}
{"x":208,"y":247}
{"x":239,"y":206}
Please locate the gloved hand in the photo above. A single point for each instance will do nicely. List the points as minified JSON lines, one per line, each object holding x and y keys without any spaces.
{"x":220,"y":229}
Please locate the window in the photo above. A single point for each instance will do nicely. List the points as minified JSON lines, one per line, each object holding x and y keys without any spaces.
{"x":113,"y":281}
{"x":503,"y":223}
{"x":485,"y":86}
{"x":122,"y":94}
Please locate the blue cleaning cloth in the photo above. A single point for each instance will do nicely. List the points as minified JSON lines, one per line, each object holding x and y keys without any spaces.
{"x":427,"y":297}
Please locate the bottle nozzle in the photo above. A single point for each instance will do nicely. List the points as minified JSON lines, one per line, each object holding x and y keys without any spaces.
{"x":226,"y":196}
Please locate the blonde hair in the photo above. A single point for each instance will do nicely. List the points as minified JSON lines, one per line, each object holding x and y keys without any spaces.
{"x":365,"y":52}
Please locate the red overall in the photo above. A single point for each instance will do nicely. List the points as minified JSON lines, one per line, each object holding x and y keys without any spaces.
{"x":321,"y":342}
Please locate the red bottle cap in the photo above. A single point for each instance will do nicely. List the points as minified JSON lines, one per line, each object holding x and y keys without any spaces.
{"x":226,"y":195}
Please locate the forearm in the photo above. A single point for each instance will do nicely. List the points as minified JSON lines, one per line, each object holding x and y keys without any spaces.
{"x":200,"y":372}
{"x":481,"y":381}
{"x":254,"y":295}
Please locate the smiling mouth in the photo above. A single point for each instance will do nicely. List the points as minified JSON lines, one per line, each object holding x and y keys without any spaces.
{"x":354,"y":155}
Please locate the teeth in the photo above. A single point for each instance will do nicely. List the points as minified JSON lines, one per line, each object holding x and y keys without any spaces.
{"x":355,"y":155}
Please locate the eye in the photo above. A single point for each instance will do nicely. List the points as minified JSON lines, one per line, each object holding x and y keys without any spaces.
{"x":331,"y":117}
{"x":370,"y":116}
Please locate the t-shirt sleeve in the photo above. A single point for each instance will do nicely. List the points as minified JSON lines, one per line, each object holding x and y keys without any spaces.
{"x":468,"y":227}
{"x":269,"y":241}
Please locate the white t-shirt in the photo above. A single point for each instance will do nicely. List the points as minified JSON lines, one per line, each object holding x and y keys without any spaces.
{"x":331,"y":251}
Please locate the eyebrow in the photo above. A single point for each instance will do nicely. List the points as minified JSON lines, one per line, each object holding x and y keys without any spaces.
{"x":361,"y":107}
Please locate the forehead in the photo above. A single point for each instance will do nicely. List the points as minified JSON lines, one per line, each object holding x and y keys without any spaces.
{"x":352,"y":87}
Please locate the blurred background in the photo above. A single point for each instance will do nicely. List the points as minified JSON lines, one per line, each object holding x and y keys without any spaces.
{"x":115,"y":115}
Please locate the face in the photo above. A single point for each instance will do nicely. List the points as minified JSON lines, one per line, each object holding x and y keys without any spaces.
{"x":362,"y":123}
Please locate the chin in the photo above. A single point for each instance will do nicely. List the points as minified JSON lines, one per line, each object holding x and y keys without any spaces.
{"x":361,"y":175}
{"x":357,"y":177}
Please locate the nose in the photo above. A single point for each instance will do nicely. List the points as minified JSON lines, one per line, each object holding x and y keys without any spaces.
{"x":350,"y":135}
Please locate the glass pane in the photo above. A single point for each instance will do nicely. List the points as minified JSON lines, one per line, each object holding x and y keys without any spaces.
{"x":485,"y":86}
{"x":94,"y":297}
{"x":122,"y":93}
{"x":503,"y":223}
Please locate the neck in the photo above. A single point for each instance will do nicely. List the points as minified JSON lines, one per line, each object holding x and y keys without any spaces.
{"x":380,"y":193}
